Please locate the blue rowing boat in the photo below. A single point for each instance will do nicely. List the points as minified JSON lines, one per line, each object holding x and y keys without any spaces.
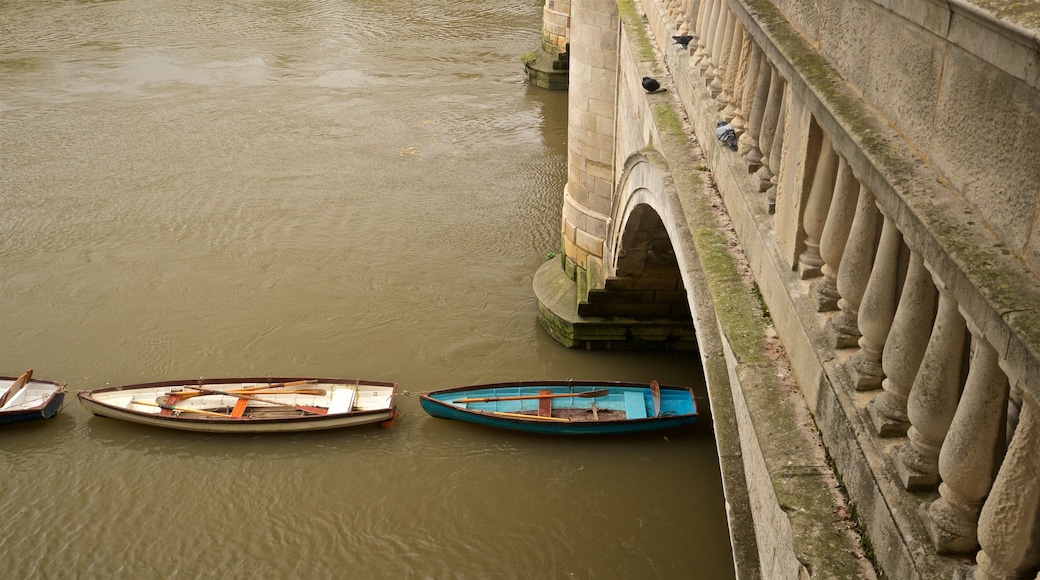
{"x":566,"y":407}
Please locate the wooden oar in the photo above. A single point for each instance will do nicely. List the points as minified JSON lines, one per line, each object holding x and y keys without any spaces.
{"x":16,"y":386}
{"x":311,"y":410}
{"x":266,"y":386}
{"x":655,"y":397}
{"x":534,"y":417}
{"x":254,"y":391}
{"x":299,"y":383}
{"x":585,"y":395}
{"x":181,"y":409}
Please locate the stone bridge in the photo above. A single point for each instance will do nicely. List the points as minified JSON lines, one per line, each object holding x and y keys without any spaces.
{"x":859,"y":277}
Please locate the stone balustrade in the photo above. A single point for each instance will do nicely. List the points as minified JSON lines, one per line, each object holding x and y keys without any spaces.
{"x":912,"y":289}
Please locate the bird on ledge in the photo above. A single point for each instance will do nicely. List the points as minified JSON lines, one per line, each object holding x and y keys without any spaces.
{"x":683,"y":40}
{"x":651,"y":85}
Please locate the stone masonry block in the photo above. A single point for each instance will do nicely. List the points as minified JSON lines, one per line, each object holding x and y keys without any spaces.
{"x":845,"y":36}
{"x":803,"y":14}
{"x":904,"y":71}
{"x":601,"y":107}
{"x":605,"y":19}
{"x":987,"y":144}
{"x":604,"y":188}
{"x":931,"y":15}
{"x":605,"y":126}
{"x":572,"y":212}
{"x":599,"y":172}
{"x":1016,"y":56}
{"x":596,"y":226}
{"x":574,"y":251}
{"x":568,"y":230}
{"x":600,"y":142}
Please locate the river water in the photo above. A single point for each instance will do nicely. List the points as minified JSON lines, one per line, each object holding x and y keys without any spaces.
{"x":351,"y":188}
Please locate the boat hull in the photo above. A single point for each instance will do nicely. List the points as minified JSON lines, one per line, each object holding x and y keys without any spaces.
{"x":375,"y":403}
{"x":41,"y":400}
{"x":520,"y":400}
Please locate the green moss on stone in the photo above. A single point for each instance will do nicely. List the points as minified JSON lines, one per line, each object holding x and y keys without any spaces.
{"x":633,"y":23}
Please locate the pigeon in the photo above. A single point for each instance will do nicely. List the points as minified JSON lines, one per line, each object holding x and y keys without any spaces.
{"x":651,"y":85}
{"x":725,"y":133}
{"x":683,"y":40}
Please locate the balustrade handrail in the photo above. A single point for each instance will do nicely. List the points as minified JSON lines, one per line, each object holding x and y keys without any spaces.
{"x":994,"y":288}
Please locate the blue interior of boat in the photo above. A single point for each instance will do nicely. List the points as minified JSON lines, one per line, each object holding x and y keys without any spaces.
{"x":635,"y":405}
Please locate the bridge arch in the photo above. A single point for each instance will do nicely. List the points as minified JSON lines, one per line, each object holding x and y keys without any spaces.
{"x":646,"y":243}
{"x":642,"y":301}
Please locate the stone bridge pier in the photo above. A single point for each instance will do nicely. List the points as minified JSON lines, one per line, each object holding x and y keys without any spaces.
{"x":880,"y":217}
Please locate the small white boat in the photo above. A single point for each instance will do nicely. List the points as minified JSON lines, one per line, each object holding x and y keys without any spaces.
{"x":248,"y":405}
{"x":23,"y":398}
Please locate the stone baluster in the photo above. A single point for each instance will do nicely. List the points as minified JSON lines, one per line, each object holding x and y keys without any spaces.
{"x":749,"y":139}
{"x":970,"y":455}
{"x":933,"y":397}
{"x":714,"y":74}
{"x":854,"y":271}
{"x":776,"y":151}
{"x":816,"y":209}
{"x":706,"y":65}
{"x":877,"y":309}
{"x":732,"y":77}
{"x":1014,"y":408}
{"x":1009,"y":525}
{"x":770,"y":117}
{"x":672,"y":8}
{"x":835,"y":235}
{"x":739,"y":121}
{"x":754,"y":156}
{"x":693,"y":9}
{"x":679,"y":18}
{"x":904,"y":349}
{"x":704,"y":17}
{"x":684,"y":27}
{"x":724,"y":74}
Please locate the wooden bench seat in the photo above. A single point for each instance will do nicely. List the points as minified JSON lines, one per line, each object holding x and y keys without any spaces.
{"x":635,"y":405}
{"x":342,"y":400}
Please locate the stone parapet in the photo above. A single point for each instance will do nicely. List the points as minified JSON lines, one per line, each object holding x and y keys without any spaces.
{"x":894,"y":242}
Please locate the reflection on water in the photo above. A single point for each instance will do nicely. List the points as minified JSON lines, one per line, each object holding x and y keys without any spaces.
{"x":321,"y":188}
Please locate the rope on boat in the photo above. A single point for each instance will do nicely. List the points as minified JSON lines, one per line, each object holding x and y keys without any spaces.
{"x":411,"y":394}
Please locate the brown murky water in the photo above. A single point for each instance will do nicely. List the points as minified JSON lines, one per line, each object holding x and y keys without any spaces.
{"x":334,"y":188}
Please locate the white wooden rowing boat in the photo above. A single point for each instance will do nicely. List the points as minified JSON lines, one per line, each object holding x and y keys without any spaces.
{"x":248,"y":405}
